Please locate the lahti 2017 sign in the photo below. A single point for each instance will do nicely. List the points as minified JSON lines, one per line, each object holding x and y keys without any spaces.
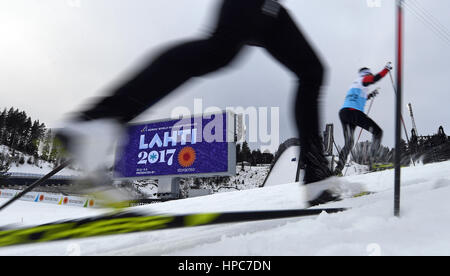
{"x":193,"y":146}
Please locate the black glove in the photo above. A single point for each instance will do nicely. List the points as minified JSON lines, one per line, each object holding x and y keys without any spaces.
{"x":373,"y":94}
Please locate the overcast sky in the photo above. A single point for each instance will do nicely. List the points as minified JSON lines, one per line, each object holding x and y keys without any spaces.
{"x":57,"y":54}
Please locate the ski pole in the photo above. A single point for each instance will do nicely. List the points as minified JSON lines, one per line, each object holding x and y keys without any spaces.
{"x":368,"y":112}
{"x":401,"y":117}
{"x":36,"y":183}
{"x":403,"y":122}
{"x":339,"y":151}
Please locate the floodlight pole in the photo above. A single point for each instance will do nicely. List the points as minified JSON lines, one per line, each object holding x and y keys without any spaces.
{"x":398,"y":134}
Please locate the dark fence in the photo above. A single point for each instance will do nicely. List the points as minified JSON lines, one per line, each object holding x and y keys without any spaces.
{"x":25,"y":179}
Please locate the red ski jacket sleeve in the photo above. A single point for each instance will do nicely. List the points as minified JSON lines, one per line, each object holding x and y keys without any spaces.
{"x":371,"y":79}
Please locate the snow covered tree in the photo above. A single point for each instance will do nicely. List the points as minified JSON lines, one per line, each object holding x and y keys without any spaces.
{"x":5,"y":165}
{"x":2,"y":126}
{"x":246,"y":152}
{"x":56,"y":154}
{"x":267,"y":158}
{"x":21,"y":159}
{"x":257,"y":157}
{"x":238,"y":153}
{"x":45,"y":155}
{"x":19,"y":132}
{"x":36,"y":134}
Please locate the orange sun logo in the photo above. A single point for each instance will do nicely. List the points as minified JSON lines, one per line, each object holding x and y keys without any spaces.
{"x":186,"y":157}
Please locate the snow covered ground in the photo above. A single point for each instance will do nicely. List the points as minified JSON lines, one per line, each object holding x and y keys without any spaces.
{"x":43,"y":168}
{"x":249,"y":177}
{"x":369,"y":228}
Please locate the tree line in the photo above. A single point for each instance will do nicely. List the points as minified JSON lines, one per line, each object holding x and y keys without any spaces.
{"x":25,"y":136}
{"x":255,"y":157}
{"x":19,"y":132}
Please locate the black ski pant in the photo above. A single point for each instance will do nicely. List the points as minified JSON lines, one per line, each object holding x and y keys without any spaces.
{"x":263,"y":23}
{"x":350,"y":119}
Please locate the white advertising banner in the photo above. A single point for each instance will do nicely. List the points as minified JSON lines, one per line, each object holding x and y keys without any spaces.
{"x":51,"y":198}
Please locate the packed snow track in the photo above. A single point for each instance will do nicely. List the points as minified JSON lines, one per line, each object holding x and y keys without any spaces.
{"x":369,"y":228}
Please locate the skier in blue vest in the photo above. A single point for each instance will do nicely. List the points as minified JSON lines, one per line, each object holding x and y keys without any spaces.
{"x":352,"y":113}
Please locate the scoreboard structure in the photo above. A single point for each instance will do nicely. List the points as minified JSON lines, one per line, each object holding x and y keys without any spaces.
{"x":198,"y":146}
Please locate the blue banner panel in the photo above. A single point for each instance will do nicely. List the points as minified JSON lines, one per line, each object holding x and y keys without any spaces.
{"x":174,"y":148}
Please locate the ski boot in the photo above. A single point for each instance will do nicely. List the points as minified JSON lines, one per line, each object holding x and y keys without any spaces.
{"x":322,"y":192}
{"x":319,"y":182}
{"x":91,"y":145}
{"x":338,"y":172}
